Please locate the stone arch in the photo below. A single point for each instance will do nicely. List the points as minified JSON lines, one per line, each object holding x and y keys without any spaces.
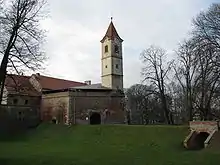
{"x":95,"y":118}
{"x":200,"y":139}
{"x":196,"y":141}
{"x":201,"y":134}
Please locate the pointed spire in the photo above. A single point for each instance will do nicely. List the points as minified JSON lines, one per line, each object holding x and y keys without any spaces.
{"x":111,"y":32}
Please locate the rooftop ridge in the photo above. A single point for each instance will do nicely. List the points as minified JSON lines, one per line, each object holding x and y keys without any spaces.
{"x":61,"y":79}
{"x":18,"y":75}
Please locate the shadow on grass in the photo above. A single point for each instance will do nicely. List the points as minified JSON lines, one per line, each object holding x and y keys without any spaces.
{"x":21,"y":133}
{"x":180,"y":148}
{"x":14,"y":136}
{"x":43,"y":160}
{"x":4,"y":161}
{"x":16,"y":133}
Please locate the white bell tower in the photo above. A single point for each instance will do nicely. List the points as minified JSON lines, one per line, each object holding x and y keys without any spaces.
{"x":112,"y":59}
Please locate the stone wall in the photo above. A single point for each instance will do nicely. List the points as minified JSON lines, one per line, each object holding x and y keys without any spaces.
{"x":23,"y":100}
{"x":55,"y":106}
{"x":74,"y":107}
{"x":16,"y":118}
{"x":84,"y":101}
{"x":203,"y":126}
{"x":4,"y":96}
{"x":34,"y":82}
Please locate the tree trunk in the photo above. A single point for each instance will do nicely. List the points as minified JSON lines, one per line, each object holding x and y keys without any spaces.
{"x":166,"y":111}
{"x":4,"y":63}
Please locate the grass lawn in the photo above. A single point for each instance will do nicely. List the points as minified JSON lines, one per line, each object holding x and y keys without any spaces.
{"x":103,"y":145}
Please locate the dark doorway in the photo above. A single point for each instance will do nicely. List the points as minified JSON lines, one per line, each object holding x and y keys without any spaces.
{"x":54,"y":121}
{"x":200,"y":139}
{"x":95,"y":118}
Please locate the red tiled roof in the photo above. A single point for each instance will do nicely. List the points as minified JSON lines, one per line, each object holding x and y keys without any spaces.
{"x":51,"y":83}
{"x":111,"y":33}
{"x":20,"y":84}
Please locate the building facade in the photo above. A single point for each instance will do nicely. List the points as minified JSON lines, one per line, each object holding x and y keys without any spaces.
{"x":93,"y":103}
{"x":70,"y":102}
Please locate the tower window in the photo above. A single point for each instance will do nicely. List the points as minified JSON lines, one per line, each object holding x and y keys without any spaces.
{"x":26,"y":102}
{"x":106,"y":48}
{"x":15,"y":101}
{"x":116,"y":49}
{"x":106,"y":66}
{"x":116,"y":66}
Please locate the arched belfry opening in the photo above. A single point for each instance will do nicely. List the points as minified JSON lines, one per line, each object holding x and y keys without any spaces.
{"x":95,"y":118}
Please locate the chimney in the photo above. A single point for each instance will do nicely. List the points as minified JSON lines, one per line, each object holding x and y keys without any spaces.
{"x":38,"y":74}
{"x":88,"y":82}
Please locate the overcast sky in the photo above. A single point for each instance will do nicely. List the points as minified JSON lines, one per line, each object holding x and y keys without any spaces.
{"x":75,"y":28}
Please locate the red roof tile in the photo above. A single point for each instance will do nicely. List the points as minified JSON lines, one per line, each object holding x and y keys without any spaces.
{"x":20,"y":84}
{"x":51,"y":83}
{"x":111,"y":33}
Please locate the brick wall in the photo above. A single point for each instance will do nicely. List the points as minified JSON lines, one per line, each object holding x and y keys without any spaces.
{"x":83,"y":101}
{"x":55,"y":105}
{"x":75,"y":106}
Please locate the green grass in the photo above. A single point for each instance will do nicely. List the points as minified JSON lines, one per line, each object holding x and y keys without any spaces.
{"x":103,"y":145}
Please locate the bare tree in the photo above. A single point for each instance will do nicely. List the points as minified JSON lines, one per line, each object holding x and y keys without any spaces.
{"x":206,"y":27}
{"x":177,"y":103}
{"x":197,"y":75}
{"x":137,"y":98}
{"x":185,"y":72}
{"x":209,"y":78}
{"x":206,"y":36}
{"x":21,"y":37}
{"x":143,"y":105}
{"x":197,"y":66}
{"x":155,"y":72}
{"x":1,"y":2}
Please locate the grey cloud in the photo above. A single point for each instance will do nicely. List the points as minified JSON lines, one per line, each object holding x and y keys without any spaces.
{"x":76,"y":27}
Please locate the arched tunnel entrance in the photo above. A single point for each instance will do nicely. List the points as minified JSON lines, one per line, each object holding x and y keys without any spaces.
{"x":197,"y":141}
{"x":95,"y":118}
{"x":200,"y":131}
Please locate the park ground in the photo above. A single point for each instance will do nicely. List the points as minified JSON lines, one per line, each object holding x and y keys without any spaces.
{"x":103,"y":145}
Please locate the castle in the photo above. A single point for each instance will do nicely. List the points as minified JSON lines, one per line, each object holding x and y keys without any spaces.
{"x":70,"y":102}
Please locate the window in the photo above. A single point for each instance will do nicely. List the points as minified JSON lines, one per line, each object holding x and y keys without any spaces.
{"x":106,"y":48}
{"x":20,"y":116}
{"x":106,"y":66}
{"x":26,"y":102}
{"x":116,"y":49}
{"x":116,"y":66}
{"x":15,"y":101}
